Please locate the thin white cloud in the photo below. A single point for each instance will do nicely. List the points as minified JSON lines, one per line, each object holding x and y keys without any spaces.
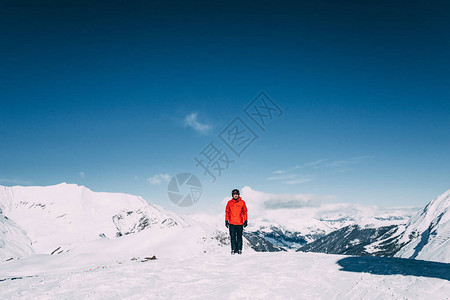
{"x":261,"y":202}
{"x":297,"y":181}
{"x":309,"y":164}
{"x":281,"y":177}
{"x":191,"y":120}
{"x":82,"y":174}
{"x":314,"y":164}
{"x":346,"y":162}
{"x":286,"y":170}
{"x":158,"y":179}
{"x":323,"y":163}
{"x":291,"y":176}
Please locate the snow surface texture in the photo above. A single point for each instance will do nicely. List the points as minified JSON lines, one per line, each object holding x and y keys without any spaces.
{"x":13,"y":241}
{"x":428,"y":233}
{"x":253,"y":275}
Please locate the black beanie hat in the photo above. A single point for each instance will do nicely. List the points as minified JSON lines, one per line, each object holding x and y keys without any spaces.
{"x":235,"y":191}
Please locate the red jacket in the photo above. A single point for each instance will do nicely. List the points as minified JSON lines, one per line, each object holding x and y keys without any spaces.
{"x":236,"y":212}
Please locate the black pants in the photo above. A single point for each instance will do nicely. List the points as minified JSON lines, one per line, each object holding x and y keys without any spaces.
{"x":236,"y":237}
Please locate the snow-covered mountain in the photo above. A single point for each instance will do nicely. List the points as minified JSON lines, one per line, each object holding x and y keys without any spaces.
{"x":358,"y":240}
{"x":427,"y":235}
{"x":82,"y":243}
{"x":67,"y":217}
{"x":296,"y":228}
{"x":70,"y":218}
{"x":291,"y":221}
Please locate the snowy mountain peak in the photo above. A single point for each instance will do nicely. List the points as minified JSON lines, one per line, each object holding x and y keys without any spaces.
{"x":427,"y":235}
{"x":69,"y":214}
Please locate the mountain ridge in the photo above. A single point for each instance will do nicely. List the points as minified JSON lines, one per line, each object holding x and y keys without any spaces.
{"x":426,"y":236}
{"x":60,"y":218}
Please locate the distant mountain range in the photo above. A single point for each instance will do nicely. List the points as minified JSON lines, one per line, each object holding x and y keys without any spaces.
{"x":67,"y":218}
{"x":426,"y":236}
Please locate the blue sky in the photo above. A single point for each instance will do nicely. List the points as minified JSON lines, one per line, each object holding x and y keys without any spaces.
{"x":121,"y":96}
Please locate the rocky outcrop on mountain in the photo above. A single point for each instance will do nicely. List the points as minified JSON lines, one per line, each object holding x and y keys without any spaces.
{"x":426,"y":236}
{"x":131,"y":221}
{"x":278,"y":237}
{"x":356,"y":240}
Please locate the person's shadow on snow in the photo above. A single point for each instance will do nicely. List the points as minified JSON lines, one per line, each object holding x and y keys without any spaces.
{"x":395,"y":266}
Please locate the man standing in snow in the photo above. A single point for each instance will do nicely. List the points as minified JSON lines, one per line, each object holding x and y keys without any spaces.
{"x":236,"y":220}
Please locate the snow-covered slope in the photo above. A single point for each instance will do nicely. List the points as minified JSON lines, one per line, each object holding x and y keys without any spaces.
{"x":13,"y":241}
{"x":427,"y":235}
{"x":62,"y":216}
{"x":282,"y":275}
